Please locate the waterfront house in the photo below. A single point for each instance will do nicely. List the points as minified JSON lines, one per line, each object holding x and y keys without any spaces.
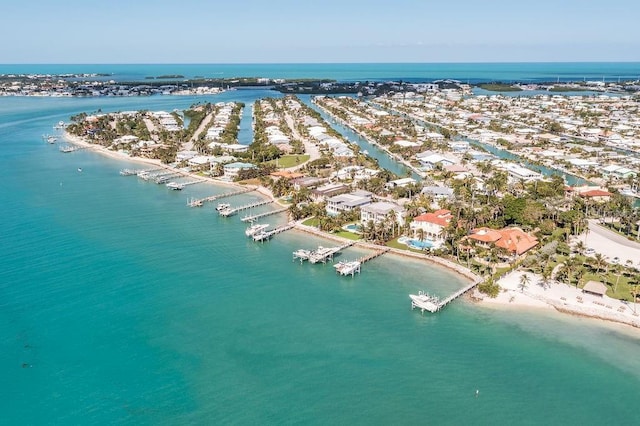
{"x":400,"y":183}
{"x":348,"y":202}
{"x":513,"y":240}
{"x":430,"y":160}
{"x":430,"y":226}
{"x":518,"y":172}
{"x":459,"y":146}
{"x":380,"y":211}
{"x":231,"y":170}
{"x":228,"y":147}
{"x":617,"y":172}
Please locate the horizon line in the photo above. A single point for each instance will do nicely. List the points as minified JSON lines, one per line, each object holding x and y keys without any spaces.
{"x":322,"y":63}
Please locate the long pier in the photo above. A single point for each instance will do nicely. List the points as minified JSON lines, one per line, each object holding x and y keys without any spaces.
{"x":233,"y":210}
{"x":457,"y":294}
{"x":433,"y":304}
{"x":251,"y":218}
{"x":199,"y":202}
{"x":372,"y":256}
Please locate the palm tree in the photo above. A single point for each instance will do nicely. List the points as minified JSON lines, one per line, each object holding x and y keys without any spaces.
{"x":599,"y":260}
{"x":524,"y":282}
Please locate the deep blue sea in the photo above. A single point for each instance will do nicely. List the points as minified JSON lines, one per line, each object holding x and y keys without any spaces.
{"x":120,"y":305}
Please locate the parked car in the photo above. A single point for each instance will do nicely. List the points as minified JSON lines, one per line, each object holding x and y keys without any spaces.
{"x":589,"y":251}
{"x":615,"y":260}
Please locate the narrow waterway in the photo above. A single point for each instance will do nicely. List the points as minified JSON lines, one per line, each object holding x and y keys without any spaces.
{"x":384,"y":161}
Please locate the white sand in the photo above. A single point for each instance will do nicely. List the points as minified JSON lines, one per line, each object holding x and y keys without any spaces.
{"x":564,"y":298}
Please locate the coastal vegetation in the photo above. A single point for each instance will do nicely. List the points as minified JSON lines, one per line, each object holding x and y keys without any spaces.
{"x":499,"y":87}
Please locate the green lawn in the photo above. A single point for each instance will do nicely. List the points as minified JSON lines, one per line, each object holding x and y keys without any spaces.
{"x":348,"y":235}
{"x":287,"y":161}
{"x":311,"y":222}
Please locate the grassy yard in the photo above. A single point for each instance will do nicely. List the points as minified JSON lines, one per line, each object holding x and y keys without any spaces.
{"x":311,"y":222}
{"x":287,"y":161}
{"x":348,"y":235}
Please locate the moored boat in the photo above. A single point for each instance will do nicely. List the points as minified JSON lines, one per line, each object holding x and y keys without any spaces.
{"x":424,"y":302}
{"x":223,"y":206}
{"x":176,"y":186}
{"x":255,"y":229}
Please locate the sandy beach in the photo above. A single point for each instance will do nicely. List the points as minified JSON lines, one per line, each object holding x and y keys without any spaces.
{"x":561,"y":297}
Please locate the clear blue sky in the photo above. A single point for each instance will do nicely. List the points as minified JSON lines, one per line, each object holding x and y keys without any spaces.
{"x":241,"y":31}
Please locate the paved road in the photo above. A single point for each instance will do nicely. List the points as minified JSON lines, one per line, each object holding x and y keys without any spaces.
{"x":611,"y":244}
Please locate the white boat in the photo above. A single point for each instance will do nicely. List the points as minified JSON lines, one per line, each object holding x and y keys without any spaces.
{"x":302,"y":254}
{"x":223,"y":206}
{"x":50,"y":139}
{"x":175,"y":186}
{"x":255,"y":229}
{"x":424,"y":302}
{"x":59,"y":126}
{"x":68,"y":148}
{"x":347,"y":268}
{"x":260,"y":236}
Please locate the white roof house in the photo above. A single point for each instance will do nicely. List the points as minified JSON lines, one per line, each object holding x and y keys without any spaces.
{"x":379,"y":211}
{"x":347,"y":202}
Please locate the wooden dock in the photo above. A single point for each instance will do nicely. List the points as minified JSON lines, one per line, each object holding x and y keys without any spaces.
{"x":233,"y":210}
{"x":372,"y":256}
{"x":437,"y":304}
{"x":254,"y":217}
{"x":457,"y":294}
{"x":199,"y":202}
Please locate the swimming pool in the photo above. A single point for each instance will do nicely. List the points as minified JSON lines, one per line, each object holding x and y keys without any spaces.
{"x":416,"y":244}
{"x":353,"y":227}
{"x":419,"y":244}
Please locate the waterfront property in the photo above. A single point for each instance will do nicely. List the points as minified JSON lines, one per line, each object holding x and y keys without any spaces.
{"x":431,"y":226}
{"x":380,"y":211}
{"x":348,"y":202}
{"x":513,"y":240}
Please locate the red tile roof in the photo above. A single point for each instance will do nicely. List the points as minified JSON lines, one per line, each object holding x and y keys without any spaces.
{"x":595,"y":193}
{"x":485,"y":235}
{"x":440,"y":217}
{"x":514,"y":240}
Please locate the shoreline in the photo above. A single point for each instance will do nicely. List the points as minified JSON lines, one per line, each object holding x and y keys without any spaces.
{"x":560,"y":297}
{"x":77,"y":140}
{"x":458,"y":269}
{"x":508,"y":297}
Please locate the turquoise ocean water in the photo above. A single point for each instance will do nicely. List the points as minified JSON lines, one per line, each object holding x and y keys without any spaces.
{"x":118,"y":304}
{"x":473,"y":72}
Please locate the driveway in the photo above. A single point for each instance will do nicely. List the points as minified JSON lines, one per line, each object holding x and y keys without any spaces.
{"x":610,"y":244}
